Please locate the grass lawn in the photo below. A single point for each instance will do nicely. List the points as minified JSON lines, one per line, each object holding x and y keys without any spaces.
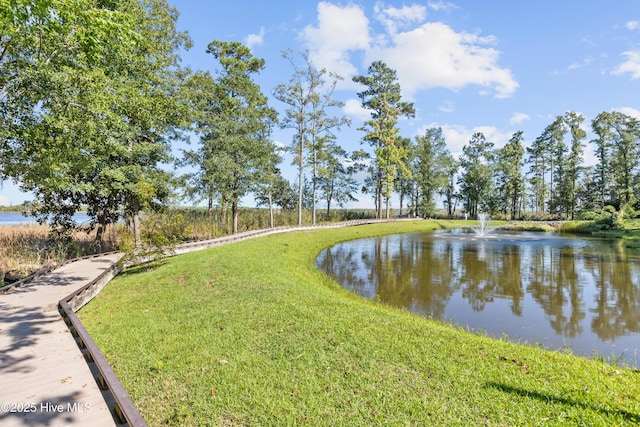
{"x":253,"y":334}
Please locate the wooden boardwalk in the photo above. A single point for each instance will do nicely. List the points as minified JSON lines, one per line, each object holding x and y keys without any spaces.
{"x":44,"y":378}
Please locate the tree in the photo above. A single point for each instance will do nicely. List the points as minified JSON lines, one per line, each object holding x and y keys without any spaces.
{"x":451,"y":167}
{"x":538,"y":169}
{"x":42,"y":54}
{"x":382,"y":96}
{"x":237,"y":136}
{"x":573,"y":161}
{"x":405,"y":183}
{"x":625,"y":154}
{"x":602,"y":173}
{"x":509,"y":179}
{"x":476,"y":179}
{"x":96,"y":126}
{"x":432,"y":157}
{"x":554,"y":135}
{"x":336,"y":180}
{"x":199,"y":91}
{"x":309,"y":95}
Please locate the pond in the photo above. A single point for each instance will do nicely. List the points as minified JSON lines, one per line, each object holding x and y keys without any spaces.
{"x":554,"y":291}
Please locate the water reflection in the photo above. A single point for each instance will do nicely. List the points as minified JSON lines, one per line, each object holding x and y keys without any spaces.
{"x":583,"y":294}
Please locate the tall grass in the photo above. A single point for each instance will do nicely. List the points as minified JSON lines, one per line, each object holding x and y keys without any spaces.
{"x":27,"y":248}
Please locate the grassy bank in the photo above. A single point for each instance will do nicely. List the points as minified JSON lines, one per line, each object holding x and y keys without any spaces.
{"x":253,"y":334}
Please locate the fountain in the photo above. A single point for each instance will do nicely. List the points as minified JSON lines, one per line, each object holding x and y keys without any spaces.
{"x":484,"y":222}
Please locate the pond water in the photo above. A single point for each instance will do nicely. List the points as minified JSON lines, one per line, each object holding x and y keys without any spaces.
{"x":16,"y":218}
{"x":554,"y":291}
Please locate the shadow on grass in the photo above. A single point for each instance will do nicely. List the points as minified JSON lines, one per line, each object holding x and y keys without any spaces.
{"x":142,"y":268}
{"x":628,"y":416}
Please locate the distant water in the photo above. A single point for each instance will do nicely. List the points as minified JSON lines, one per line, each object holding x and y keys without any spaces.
{"x":15,"y":218}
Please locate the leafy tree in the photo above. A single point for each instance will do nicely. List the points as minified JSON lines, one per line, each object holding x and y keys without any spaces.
{"x":554,"y":135}
{"x":309,"y":95}
{"x":476,"y":179}
{"x":336,"y":180}
{"x":382,"y":96}
{"x":451,"y":167}
{"x":602,"y":173}
{"x":625,"y":136}
{"x":509,"y":179}
{"x":200,"y":92}
{"x":432,"y":158}
{"x":405,"y":183}
{"x":573,"y":161}
{"x":100,"y":110}
{"x":281,"y":193}
{"x":237,"y":136}
{"x":538,"y":159}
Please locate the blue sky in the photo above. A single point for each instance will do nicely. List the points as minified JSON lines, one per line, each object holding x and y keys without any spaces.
{"x":495,"y":67}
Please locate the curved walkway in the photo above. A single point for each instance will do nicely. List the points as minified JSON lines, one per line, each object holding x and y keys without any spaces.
{"x":45,"y":379}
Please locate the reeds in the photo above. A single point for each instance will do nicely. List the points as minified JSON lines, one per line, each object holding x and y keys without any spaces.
{"x":27,"y":248}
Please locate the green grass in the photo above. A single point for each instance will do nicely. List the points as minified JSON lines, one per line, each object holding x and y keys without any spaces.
{"x":253,"y":334}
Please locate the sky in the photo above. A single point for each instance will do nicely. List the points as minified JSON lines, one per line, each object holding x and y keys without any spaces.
{"x":493,"y":66}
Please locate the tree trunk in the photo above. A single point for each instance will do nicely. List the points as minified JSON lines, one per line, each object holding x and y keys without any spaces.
{"x":388,"y":207}
{"x":379,"y":195}
{"x":270,"y":210}
{"x":315,"y":179}
{"x":223,"y":213}
{"x":300,"y":176}
{"x":136,"y":230}
{"x":234,"y":213}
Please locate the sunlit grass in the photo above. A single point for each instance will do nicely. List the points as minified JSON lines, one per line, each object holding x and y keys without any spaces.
{"x":253,"y":334}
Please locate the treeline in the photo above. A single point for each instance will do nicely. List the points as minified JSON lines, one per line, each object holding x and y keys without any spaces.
{"x":93,"y":96}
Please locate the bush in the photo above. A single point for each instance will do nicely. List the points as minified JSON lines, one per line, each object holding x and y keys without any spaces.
{"x":589,"y":215}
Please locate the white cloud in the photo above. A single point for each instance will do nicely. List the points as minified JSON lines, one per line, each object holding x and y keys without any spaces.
{"x":633,"y":25}
{"x":340,"y":31}
{"x":393,"y":18}
{"x":457,"y":136}
{"x":430,"y":55}
{"x":434,"y":55}
{"x":518,"y":118}
{"x":441,"y":5}
{"x":255,"y":39}
{"x":447,"y":107}
{"x":354,"y":108}
{"x":585,"y":62}
{"x":629,"y":111}
{"x":493,"y":134}
{"x":631,"y":65}
{"x":4,"y":201}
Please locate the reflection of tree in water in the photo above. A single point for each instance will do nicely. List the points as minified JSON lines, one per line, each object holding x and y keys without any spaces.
{"x":488,"y":273}
{"x":339,"y":261}
{"x":617,"y":310}
{"x":554,"y":282}
{"x":422,"y":273}
{"x":404,"y":279}
{"x":477,"y":277}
